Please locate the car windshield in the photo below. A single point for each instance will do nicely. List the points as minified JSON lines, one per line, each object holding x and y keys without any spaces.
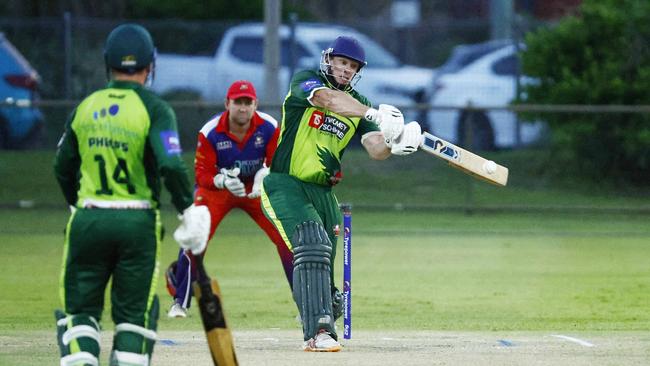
{"x":465,"y":54}
{"x":251,"y":49}
{"x":376,"y":56}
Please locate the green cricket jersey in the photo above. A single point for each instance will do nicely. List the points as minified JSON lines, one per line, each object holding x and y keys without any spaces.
{"x":312,"y":140}
{"x":116,"y":145}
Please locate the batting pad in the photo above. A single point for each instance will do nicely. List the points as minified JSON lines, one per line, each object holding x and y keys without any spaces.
{"x":312,"y":252}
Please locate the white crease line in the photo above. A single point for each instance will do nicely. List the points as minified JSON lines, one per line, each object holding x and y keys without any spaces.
{"x":575,"y":340}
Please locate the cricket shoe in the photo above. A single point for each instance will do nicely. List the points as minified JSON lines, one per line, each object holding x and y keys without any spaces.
{"x":177,"y":311}
{"x":322,"y":342}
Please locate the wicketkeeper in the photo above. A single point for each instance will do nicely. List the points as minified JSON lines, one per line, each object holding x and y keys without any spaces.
{"x":117,"y":145}
{"x":232,"y":154}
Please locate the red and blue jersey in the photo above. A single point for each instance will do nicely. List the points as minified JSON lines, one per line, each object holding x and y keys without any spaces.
{"x":218,"y":148}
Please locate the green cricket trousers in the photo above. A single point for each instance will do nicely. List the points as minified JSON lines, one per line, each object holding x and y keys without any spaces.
{"x":288,"y":202}
{"x":121,"y":245}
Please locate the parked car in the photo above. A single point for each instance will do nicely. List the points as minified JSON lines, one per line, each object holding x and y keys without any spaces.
{"x":20,"y":126}
{"x":487,"y":76}
{"x":240,"y":55}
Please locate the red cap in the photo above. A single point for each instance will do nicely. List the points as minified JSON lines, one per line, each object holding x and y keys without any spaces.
{"x":241,"y":88}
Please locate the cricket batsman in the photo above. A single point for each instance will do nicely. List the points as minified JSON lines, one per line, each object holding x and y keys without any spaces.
{"x":321,"y":114}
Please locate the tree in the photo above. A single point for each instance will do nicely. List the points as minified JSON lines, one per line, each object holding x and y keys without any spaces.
{"x":600,"y":56}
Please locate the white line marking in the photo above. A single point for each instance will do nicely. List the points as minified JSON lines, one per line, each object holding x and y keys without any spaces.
{"x":576,"y":340}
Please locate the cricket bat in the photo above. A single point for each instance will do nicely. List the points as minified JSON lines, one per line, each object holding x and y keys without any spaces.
{"x":208,"y":296}
{"x":464,"y":160}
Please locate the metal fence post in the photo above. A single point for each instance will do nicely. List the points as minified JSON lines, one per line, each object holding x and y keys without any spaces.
{"x":67,"y":50}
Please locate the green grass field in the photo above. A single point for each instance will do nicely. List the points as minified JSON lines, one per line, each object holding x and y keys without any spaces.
{"x":411,"y":271}
{"x":424,"y":269}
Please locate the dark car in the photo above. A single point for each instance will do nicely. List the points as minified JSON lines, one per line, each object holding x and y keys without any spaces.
{"x":21,"y":124}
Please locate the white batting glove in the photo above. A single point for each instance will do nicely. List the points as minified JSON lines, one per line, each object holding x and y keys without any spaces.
{"x":409,"y":141}
{"x":389,"y":119}
{"x":257,"y":182}
{"x":229,"y":180}
{"x":192,"y":234}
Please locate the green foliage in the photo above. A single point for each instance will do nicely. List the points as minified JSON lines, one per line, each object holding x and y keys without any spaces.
{"x":601,"y":56}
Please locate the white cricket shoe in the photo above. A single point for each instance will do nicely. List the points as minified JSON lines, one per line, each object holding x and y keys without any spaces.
{"x":323,"y":342}
{"x":177,"y":311}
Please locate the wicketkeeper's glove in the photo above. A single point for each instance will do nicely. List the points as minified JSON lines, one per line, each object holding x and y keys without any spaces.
{"x":228,"y":179}
{"x":257,"y":182}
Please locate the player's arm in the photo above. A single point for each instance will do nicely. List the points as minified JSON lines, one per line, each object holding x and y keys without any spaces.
{"x":165,"y":143}
{"x":388,"y":118}
{"x":338,"y":102}
{"x":271,"y":146}
{"x":205,"y":163}
{"x":308,"y":89}
{"x":375,"y":145}
{"x":67,"y":163}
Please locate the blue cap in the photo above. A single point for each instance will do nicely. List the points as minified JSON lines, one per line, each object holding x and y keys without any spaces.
{"x":350,"y":48}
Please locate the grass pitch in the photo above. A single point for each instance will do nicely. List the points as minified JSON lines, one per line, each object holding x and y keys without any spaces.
{"x":415,"y":272}
{"x":410,"y":271}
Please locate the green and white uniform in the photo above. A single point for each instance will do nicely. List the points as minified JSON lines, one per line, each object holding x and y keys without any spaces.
{"x":308,"y":158}
{"x":306,"y":164}
{"x":117,"y":145}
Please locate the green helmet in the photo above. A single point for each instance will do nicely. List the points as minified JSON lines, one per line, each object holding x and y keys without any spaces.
{"x":129,"y":48}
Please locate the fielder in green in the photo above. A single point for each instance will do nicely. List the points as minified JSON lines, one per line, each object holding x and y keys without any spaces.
{"x":117,"y":145}
{"x":320,"y":115}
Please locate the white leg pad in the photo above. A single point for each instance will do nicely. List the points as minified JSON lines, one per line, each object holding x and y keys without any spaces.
{"x":79,"y":359}
{"x":79,"y":331}
{"x":129,"y":359}
{"x":132,"y":328}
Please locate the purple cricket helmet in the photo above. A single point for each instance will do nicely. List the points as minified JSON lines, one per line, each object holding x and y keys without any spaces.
{"x":343,"y":46}
{"x":350,"y":48}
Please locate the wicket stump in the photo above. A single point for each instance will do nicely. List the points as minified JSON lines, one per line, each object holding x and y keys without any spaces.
{"x":347,"y":269}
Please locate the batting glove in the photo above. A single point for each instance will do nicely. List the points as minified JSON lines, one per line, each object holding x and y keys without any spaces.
{"x":192,"y":234}
{"x":409,"y":141}
{"x":229,"y":180}
{"x":257,"y":182}
{"x":389,"y":119}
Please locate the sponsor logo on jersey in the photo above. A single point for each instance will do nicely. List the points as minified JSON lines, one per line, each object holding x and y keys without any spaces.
{"x":328,"y":124}
{"x":310,"y":84}
{"x":259,"y":141}
{"x":249,"y":167}
{"x":112,"y":110}
{"x":171,"y":142}
{"x":224,"y":145}
{"x":316,"y":119}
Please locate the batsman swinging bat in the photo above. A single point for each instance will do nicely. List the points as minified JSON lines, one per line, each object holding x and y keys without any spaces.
{"x":465,"y":160}
{"x":208,"y":296}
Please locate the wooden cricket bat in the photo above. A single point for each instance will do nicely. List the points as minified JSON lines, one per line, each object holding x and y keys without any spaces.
{"x":464,"y":160}
{"x":208,"y":296}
